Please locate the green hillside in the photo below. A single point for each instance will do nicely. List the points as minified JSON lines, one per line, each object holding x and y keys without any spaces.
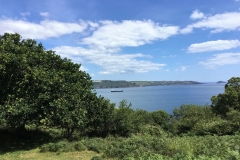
{"x":124,"y":84}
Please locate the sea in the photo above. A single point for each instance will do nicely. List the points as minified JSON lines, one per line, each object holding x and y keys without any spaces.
{"x":168,"y":97}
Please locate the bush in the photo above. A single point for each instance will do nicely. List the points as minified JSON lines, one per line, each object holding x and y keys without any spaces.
{"x":123,"y":123}
{"x":186,"y":117}
{"x":94,"y":144}
{"x":96,"y":158}
{"x":61,"y":146}
{"x":79,"y":146}
{"x":161,"y":118}
{"x":151,"y":130}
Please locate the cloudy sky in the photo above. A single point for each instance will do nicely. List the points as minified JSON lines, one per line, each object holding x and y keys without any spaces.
{"x":135,"y":39}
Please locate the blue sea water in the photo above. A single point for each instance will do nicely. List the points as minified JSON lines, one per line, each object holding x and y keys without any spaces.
{"x":166,"y":98}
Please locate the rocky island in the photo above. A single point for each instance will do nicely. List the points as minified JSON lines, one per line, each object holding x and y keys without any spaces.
{"x":221,"y":82}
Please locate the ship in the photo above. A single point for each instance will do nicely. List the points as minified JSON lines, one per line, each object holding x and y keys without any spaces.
{"x":116,"y":90}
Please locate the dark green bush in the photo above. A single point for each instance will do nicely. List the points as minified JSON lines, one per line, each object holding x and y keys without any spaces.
{"x":161,"y":118}
{"x":94,"y":144}
{"x":123,"y":120}
{"x":96,"y":158}
{"x":79,"y":146}
{"x":61,"y":146}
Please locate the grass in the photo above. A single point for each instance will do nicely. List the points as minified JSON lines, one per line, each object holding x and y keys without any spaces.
{"x":35,"y":154}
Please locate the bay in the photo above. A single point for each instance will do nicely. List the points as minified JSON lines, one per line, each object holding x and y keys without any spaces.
{"x":166,"y":98}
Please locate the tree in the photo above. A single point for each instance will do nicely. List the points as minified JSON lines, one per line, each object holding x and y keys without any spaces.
{"x":187,"y":116}
{"x":161,"y":118}
{"x":123,"y":120}
{"x":39,"y":87}
{"x":230,"y":99}
{"x":99,"y":117}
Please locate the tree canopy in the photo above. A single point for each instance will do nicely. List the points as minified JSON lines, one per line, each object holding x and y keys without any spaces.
{"x":38,"y":86}
{"x":230,"y":99}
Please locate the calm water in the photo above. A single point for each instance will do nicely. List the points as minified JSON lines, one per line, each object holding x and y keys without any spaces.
{"x":164,"y":97}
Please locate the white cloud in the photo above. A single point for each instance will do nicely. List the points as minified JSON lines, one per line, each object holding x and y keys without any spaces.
{"x":128,"y":33}
{"x":170,"y":56}
{"x":102,"y":47}
{"x":109,"y":60}
{"x":109,"y":36}
{"x":183,"y":68}
{"x":44,"y":14}
{"x":218,"y":23}
{"x":25,"y":13}
{"x":43,"y":30}
{"x":213,"y":46}
{"x":221,"y":59}
{"x":197,"y":15}
{"x":83,"y":68}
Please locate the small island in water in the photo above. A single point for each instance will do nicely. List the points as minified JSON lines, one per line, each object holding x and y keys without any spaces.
{"x":125,"y":84}
{"x":221,"y":82}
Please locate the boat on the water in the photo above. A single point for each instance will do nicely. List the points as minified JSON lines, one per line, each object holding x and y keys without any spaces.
{"x":116,"y":90}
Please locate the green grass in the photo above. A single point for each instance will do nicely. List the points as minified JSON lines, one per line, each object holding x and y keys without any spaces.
{"x":35,"y":154}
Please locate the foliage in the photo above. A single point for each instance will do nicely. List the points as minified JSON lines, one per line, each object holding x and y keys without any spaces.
{"x":63,"y":146}
{"x":42,"y":95}
{"x":207,"y":147}
{"x":148,"y":147}
{"x":161,"y":118}
{"x":233,"y":118}
{"x":97,"y":158}
{"x":113,"y":84}
{"x":38,"y":87}
{"x":124,"y":122}
{"x":99,"y":117}
{"x":222,"y":103}
{"x":187,"y":116}
{"x":122,"y":83}
{"x":152,"y":130}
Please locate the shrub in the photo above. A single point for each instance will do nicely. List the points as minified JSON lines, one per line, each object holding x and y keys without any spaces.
{"x":94,"y":144}
{"x":79,"y":146}
{"x":161,"y":118}
{"x":96,"y":158}
{"x":151,"y":130}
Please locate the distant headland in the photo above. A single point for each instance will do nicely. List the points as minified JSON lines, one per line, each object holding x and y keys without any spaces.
{"x":125,"y":84}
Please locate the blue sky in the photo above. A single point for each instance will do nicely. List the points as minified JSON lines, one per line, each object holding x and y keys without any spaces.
{"x":135,"y":40}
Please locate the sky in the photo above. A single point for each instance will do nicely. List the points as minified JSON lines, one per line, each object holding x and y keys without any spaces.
{"x":152,"y":40}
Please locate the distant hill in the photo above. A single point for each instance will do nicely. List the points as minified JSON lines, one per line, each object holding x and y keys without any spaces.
{"x":221,"y":82}
{"x":125,"y":84}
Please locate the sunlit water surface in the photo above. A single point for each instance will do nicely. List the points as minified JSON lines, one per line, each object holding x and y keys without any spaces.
{"x":164,"y":97}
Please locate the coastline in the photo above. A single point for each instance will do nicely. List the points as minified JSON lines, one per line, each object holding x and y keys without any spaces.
{"x":104,"y":84}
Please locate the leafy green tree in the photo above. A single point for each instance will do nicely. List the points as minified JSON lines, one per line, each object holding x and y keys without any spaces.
{"x":161,"y":118}
{"x":99,"y":117}
{"x":38,"y":86}
{"x":222,"y":103}
{"x":233,"y":117}
{"x":187,"y":116}
{"x":123,"y":120}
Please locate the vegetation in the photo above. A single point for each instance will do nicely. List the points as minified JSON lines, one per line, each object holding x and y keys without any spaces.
{"x":230,"y":99}
{"x":49,"y":111}
{"x":123,"y":84}
{"x":39,"y":88}
{"x":113,"y":84}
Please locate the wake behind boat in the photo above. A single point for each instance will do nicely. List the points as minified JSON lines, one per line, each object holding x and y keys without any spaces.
{"x":116,"y":90}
